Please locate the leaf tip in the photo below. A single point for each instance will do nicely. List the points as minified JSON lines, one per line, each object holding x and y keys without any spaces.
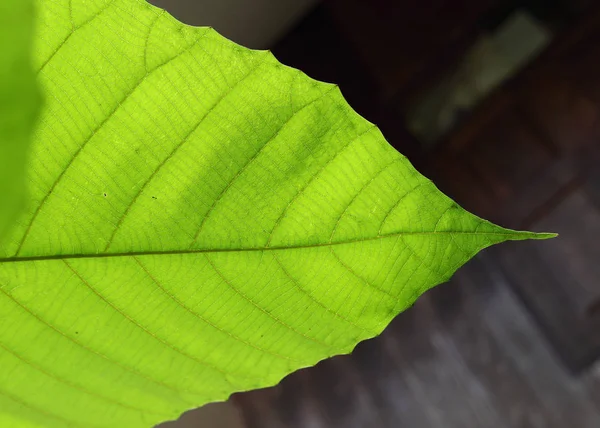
{"x":545,"y":235}
{"x":537,"y":236}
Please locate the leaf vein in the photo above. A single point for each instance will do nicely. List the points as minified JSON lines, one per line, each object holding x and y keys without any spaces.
{"x":306,"y":293}
{"x":206,"y":321}
{"x":169,"y":345}
{"x":92,"y":351}
{"x":261,"y":309}
{"x":74,"y":385}
{"x":43,"y":412}
{"x":310,"y":181}
{"x":249,"y":162}
{"x":506,"y":235}
{"x":95,"y":132}
{"x":362,"y":189}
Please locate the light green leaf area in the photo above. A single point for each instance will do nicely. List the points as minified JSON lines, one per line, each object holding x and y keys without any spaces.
{"x":202,"y":220}
{"x":19,"y":103}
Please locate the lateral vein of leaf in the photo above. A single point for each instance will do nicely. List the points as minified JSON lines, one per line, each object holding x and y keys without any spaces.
{"x":169,"y":345}
{"x":64,"y":42}
{"x":206,"y":321}
{"x":357,"y":194}
{"x":175,"y":149}
{"x":349,"y":269}
{"x":260,"y":308}
{"x":251,"y":160}
{"x":94,"y":133}
{"x":306,"y":293}
{"x":397,"y":204}
{"x":312,"y":179}
{"x":36,"y":409}
{"x":73,"y":384}
{"x":92,"y":351}
{"x":16,"y":259}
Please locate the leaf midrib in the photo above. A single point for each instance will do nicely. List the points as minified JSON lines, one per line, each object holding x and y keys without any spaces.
{"x":508,"y":236}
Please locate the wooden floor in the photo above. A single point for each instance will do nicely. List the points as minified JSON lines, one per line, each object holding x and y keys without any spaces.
{"x":466,"y":355}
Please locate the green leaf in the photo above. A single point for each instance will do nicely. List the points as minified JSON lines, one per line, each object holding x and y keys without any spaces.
{"x":19,"y":103}
{"x":202,"y":220}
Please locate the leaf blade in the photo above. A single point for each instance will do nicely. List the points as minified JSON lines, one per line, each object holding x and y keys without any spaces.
{"x":203,"y":220}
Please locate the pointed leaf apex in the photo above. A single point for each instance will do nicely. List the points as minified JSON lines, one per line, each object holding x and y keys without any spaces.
{"x":538,"y":236}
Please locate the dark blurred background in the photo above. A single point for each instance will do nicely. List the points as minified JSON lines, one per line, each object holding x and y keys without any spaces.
{"x":498,"y":101}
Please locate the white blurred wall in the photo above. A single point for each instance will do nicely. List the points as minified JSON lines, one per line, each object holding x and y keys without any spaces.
{"x":252,"y":23}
